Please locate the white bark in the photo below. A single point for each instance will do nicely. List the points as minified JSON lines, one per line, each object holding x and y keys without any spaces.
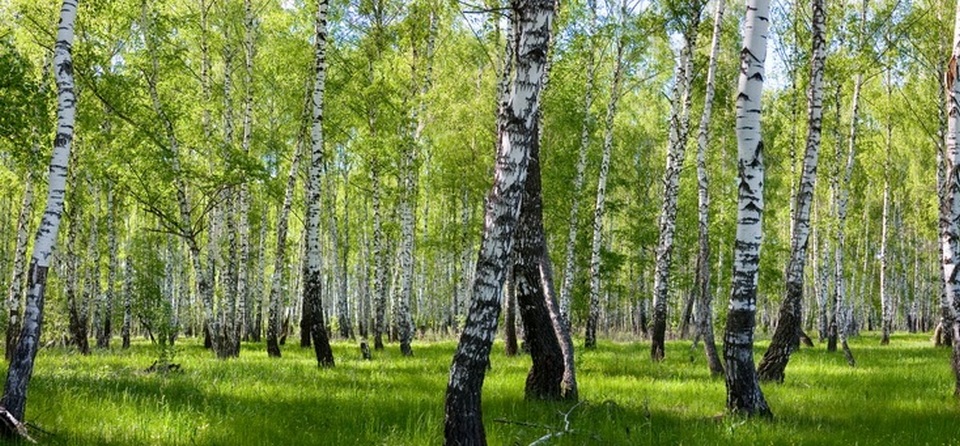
{"x":704,"y":303}
{"x":743,"y":389}
{"x":463,"y":421}
{"x":593,"y":317}
{"x":21,"y":367}
{"x":15,"y":292}
{"x":679,"y":125}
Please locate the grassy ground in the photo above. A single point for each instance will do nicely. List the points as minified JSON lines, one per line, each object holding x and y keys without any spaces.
{"x":899,"y":394}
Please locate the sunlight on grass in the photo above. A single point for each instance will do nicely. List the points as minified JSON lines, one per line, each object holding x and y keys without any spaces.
{"x":898,"y":394}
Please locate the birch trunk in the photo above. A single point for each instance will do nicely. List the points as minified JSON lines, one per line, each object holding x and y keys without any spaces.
{"x":593,"y":317}
{"x":76,"y":325}
{"x":786,"y":337}
{"x":127,"y":290}
{"x":679,"y":124}
{"x":569,"y":263}
{"x":743,"y":389}
{"x":544,"y":381}
{"x":15,"y":293}
{"x":510,"y":347}
{"x":21,"y":366}
{"x":463,"y":419}
{"x":105,"y":327}
{"x":704,"y":296}
{"x":228,"y":304}
{"x":945,"y":323}
{"x":244,"y":307}
{"x":313,"y":276}
{"x":837,"y":328}
{"x":887,"y":307}
{"x":950,"y":221}
{"x":379,"y":260}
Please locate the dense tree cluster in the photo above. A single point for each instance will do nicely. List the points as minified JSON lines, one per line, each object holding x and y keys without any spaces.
{"x":376,"y":169}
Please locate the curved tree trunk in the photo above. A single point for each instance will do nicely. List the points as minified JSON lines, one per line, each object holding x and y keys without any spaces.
{"x":463,"y":419}
{"x":21,"y":365}
{"x":743,"y":389}
{"x":544,"y":381}
{"x":786,"y":338}
{"x":704,"y":296}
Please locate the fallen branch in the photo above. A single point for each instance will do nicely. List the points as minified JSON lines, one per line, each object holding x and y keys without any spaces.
{"x":12,"y":427}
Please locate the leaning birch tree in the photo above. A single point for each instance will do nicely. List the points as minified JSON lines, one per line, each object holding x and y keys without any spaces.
{"x":463,"y":422}
{"x":743,"y":389}
{"x":14,"y":402}
{"x":786,"y":338}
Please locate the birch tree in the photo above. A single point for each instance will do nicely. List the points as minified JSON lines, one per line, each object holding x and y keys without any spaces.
{"x":704,"y":296}
{"x":313,"y":277}
{"x":593,"y":317}
{"x":950,"y":222}
{"x":15,"y":291}
{"x":463,"y":422}
{"x":679,"y":125}
{"x":786,"y":338}
{"x":743,"y":389}
{"x":14,"y":401}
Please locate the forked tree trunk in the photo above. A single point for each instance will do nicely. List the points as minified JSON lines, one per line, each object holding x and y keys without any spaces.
{"x":786,"y":337}
{"x":313,"y":277}
{"x":14,"y":399}
{"x":463,"y":420}
{"x":679,"y":125}
{"x":704,"y":295}
{"x":105,"y":327}
{"x":15,"y":291}
{"x":743,"y":389}
{"x":593,"y":317}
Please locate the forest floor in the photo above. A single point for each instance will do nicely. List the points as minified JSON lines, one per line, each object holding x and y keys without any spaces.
{"x":898,"y":394}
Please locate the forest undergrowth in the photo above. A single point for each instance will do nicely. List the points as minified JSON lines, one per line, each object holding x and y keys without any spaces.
{"x":897,"y":394}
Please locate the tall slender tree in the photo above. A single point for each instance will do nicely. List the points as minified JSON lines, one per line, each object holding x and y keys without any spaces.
{"x":704,"y":296}
{"x":14,"y":402}
{"x":593,"y":317}
{"x":743,"y":388}
{"x":786,"y":338}
{"x":15,"y":291}
{"x":313,"y":278}
{"x":677,"y":144}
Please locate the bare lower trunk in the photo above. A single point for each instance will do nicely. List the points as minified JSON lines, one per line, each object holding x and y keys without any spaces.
{"x":593,"y":318}
{"x":15,"y":292}
{"x":463,"y":419}
{"x":743,"y":389}
{"x":510,"y":312}
{"x":21,"y":365}
{"x":679,"y":125}
{"x":786,"y":338}
{"x":704,"y":297}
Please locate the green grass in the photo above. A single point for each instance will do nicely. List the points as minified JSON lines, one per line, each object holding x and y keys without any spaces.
{"x":899,"y":394}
